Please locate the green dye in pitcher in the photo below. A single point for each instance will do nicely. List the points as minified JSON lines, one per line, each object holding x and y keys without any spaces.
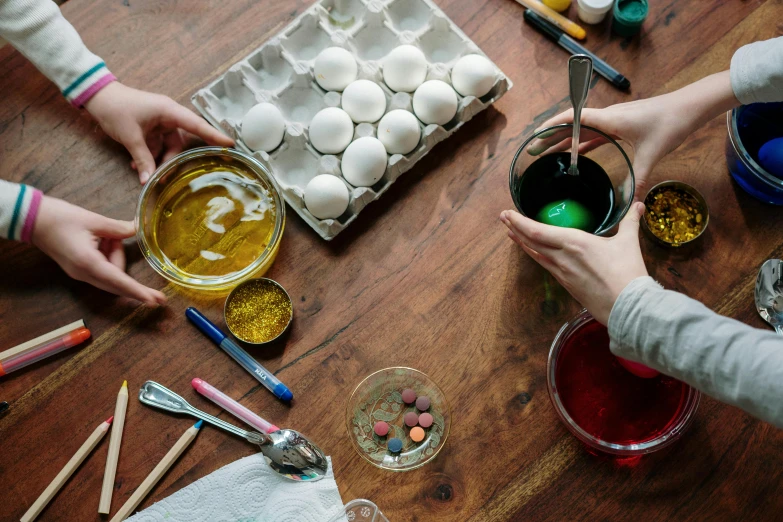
{"x":550,"y":195}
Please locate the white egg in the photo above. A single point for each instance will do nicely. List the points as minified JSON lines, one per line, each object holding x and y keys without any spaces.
{"x":399,"y":132}
{"x":335,"y":68}
{"x":326,"y":196}
{"x":404,"y":69}
{"x":435,"y":102}
{"x":473,"y":75}
{"x":263,"y":127}
{"x":364,"y":101}
{"x":331,"y":130}
{"x":364,"y":162}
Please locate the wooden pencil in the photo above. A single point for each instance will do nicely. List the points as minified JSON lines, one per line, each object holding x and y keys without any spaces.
{"x":104,"y":506}
{"x":65,"y":473}
{"x":32,"y":343}
{"x":163,"y":466}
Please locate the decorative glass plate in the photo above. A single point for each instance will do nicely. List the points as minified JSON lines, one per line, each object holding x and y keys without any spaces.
{"x":379,"y":398}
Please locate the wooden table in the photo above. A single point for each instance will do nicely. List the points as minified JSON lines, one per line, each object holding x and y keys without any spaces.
{"x":425,"y":278}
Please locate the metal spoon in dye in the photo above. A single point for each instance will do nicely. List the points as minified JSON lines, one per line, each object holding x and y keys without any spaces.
{"x":580,"y":70}
{"x":769,"y":293}
{"x":289,"y":452}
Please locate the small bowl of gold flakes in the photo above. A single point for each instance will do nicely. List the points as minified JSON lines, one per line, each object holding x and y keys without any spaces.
{"x":675,"y":213}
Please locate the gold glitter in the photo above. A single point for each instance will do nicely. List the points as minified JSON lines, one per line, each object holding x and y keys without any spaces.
{"x":673,"y":215}
{"x":258,"y":311}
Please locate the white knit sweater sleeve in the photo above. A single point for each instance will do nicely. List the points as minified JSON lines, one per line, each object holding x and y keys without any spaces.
{"x":38,"y":30}
{"x":757,"y":72}
{"x":679,"y":336}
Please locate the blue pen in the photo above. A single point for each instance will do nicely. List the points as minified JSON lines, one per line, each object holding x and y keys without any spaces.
{"x":244,"y":359}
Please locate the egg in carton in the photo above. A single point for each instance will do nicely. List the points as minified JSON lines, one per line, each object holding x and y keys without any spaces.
{"x":282,"y":73}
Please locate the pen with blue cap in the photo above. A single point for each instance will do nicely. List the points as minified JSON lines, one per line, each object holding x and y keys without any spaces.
{"x":244,"y":359}
{"x":563,"y":40}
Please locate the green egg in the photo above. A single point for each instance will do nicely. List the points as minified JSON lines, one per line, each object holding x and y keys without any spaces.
{"x":566,"y":213}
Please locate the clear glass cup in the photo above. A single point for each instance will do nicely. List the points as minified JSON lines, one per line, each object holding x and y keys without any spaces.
{"x":180,"y":166}
{"x":613,"y":157}
{"x":676,"y":427}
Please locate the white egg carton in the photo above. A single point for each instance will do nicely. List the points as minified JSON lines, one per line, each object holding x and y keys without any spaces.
{"x":281,"y":72}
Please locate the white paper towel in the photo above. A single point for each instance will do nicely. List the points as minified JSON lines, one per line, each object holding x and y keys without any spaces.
{"x":248,"y":490}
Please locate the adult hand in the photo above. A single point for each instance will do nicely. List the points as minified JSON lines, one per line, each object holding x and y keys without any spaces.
{"x":151,"y":126}
{"x":653,"y":127}
{"x":89,"y":248}
{"x":593,"y":269}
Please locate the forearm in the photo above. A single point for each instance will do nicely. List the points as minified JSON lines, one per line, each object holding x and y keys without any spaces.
{"x":18,"y":210}
{"x":680,"y":337}
{"x":705,"y":99}
{"x":37,"y":29}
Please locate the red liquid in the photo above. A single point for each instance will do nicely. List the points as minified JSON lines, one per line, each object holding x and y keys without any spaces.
{"x":605,"y":399}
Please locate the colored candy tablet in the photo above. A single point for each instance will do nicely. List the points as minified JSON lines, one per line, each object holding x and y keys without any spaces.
{"x":411,"y":419}
{"x":408,"y":396}
{"x":417,"y":434}
{"x":381,"y":428}
{"x":423,"y":403}
{"x":394,"y":445}
{"x":425,"y":420}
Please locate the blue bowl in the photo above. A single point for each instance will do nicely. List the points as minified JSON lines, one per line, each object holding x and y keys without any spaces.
{"x":750,"y":126}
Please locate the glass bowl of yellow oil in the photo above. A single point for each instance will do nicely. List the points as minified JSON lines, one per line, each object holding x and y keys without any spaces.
{"x":210,"y":218}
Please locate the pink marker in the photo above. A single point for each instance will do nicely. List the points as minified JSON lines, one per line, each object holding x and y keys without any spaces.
{"x":232,"y":406}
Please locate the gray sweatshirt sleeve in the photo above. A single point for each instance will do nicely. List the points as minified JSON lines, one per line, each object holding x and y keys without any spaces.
{"x":757,"y":72}
{"x":679,"y":336}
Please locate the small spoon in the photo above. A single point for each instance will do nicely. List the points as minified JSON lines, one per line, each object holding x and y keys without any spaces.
{"x":769,"y":293}
{"x":290,"y":453}
{"x":580,"y":70}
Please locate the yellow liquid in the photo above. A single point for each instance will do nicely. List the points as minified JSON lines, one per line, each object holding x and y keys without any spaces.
{"x":213,"y":221}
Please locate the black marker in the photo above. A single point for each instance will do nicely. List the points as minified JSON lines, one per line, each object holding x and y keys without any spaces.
{"x":3,"y":407}
{"x":565,"y":41}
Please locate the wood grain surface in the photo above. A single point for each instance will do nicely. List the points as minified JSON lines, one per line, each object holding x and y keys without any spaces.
{"x":426,"y":278}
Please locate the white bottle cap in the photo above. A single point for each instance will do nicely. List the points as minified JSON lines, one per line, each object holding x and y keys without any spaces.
{"x":593,"y":11}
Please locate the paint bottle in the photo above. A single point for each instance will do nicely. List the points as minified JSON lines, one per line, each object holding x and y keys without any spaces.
{"x":557,"y":5}
{"x":593,"y":11}
{"x":629,"y":15}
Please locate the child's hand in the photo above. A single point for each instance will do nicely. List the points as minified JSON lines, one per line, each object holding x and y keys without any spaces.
{"x":150,"y":126}
{"x":653,"y":127}
{"x":89,"y":248}
{"x":593,"y":269}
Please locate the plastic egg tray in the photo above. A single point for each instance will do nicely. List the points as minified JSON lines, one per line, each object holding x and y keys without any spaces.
{"x":281,"y":72}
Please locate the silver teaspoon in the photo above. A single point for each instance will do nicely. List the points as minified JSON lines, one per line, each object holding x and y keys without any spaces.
{"x":289,"y":452}
{"x":769,"y":293}
{"x":580,"y":70}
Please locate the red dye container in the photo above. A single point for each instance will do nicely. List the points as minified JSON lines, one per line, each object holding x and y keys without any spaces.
{"x":603,"y":404}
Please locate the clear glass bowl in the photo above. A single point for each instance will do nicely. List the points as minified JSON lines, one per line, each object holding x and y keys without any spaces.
{"x":181,"y":166}
{"x":676,"y":427}
{"x":752,"y":177}
{"x":610,"y":155}
{"x":378,"y":398}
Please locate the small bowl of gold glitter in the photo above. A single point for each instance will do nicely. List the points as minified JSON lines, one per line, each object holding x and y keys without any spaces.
{"x":675,"y":214}
{"x":258,"y":311}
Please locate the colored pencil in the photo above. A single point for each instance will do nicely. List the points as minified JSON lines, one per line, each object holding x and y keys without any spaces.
{"x":68,"y":328}
{"x":104,"y":506}
{"x":65,"y":473}
{"x":156,"y":474}
{"x":42,"y":351}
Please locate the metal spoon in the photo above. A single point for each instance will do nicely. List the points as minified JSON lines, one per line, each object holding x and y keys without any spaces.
{"x":290,"y":453}
{"x":580,"y":70}
{"x":769,"y":293}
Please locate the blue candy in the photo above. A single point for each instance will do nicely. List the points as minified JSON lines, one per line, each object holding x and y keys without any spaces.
{"x":394,"y":445}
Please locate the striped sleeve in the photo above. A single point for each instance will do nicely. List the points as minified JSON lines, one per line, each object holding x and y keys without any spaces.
{"x":18,"y":210}
{"x":38,"y":30}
